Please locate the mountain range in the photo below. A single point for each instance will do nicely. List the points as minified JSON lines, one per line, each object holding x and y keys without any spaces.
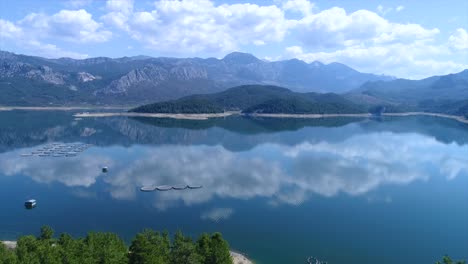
{"x":129,"y":81}
{"x":30,"y":80}
{"x":440,"y":94}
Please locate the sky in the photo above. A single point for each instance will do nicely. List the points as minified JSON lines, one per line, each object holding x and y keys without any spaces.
{"x":408,"y":39}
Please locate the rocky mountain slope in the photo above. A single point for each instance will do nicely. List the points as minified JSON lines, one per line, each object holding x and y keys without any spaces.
{"x":29,"y":80}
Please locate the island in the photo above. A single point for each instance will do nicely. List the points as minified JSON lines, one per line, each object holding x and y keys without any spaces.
{"x":279,"y":102}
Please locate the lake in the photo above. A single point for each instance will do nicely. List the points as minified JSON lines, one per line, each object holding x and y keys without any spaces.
{"x":345,"y":190}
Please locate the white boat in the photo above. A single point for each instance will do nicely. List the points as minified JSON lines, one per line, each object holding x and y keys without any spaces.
{"x":30,"y":203}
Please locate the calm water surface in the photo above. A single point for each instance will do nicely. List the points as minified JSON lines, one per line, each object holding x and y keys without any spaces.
{"x":343,"y":190}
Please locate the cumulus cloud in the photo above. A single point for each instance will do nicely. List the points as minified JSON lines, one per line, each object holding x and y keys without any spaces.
{"x":199,"y":26}
{"x":411,"y":60}
{"x":68,"y":25}
{"x":118,"y":13}
{"x":78,"y":3}
{"x":50,"y":50}
{"x":304,"y":7}
{"x":9,"y":30}
{"x":334,"y":27}
{"x":37,"y":32}
{"x":459,"y":39}
{"x":190,"y":27}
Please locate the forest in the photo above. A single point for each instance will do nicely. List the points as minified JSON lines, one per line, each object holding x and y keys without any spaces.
{"x":105,"y":248}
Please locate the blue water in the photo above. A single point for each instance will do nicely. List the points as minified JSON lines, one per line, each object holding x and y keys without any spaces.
{"x":344,"y":190}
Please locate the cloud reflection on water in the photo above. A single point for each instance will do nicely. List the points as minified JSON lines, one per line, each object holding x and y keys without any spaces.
{"x":281,"y":174}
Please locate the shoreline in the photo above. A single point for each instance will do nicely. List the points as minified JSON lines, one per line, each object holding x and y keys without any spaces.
{"x":61,"y":108}
{"x":208,"y":116}
{"x":226,"y":114}
{"x":159,"y":115}
{"x":237,"y":257}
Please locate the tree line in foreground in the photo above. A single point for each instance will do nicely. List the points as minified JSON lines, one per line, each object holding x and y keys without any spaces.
{"x":107,"y":248}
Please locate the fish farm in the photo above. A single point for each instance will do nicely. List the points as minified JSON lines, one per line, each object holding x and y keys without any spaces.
{"x":67,"y":150}
{"x":167,"y":188}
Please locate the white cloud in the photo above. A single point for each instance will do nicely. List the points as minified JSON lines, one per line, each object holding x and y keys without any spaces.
{"x":414,"y":60}
{"x":304,"y":7}
{"x":9,"y":30}
{"x":334,"y":27}
{"x":78,"y":3}
{"x":459,"y":39}
{"x":382,"y":10}
{"x":201,"y":26}
{"x":385,"y":10}
{"x":51,"y":51}
{"x":118,"y":13}
{"x":68,"y":25}
{"x":370,"y":43}
{"x":363,"y":39}
{"x":37,"y":32}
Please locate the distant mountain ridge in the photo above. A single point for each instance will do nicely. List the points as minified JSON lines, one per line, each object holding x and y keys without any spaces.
{"x":30,"y":80}
{"x":441,"y":94}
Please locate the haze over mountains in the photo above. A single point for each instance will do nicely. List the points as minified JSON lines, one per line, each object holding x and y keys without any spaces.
{"x":28,"y":80}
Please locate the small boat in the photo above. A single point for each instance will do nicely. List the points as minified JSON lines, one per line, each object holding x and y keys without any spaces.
{"x":104,"y":169}
{"x":194,"y":186}
{"x":148,"y":188}
{"x":29,"y":204}
{"x":179,"y":187}
{"x":26,"y":155}
{"x":163,"y":188}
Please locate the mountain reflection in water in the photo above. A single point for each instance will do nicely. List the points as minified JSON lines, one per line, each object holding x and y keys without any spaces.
{"x":257,"y":174}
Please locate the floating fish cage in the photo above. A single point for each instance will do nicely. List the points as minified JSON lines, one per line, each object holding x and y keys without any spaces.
{"x":179,"y":187}
{"x":58,"y":150}
{"x":163,"y":188}
{"x":148,"y":188}
{"x":312,"y":260}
